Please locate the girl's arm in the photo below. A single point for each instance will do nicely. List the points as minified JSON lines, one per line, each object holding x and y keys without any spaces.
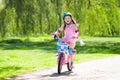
{"x":77,"y":31}
{"x":59,"y":31}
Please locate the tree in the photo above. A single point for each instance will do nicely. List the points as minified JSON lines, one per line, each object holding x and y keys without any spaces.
{"x":24,"y":18}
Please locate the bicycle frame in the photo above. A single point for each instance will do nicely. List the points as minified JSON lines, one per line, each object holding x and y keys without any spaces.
{"x":62,"y":48}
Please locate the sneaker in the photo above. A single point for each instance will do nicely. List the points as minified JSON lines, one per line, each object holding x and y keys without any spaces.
{"x":72,"y":65}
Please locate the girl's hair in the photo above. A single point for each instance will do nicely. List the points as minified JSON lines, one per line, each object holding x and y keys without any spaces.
{"x":73,"y":21}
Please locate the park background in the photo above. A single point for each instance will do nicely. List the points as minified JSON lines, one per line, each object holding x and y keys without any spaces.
{"x":26,"y":25}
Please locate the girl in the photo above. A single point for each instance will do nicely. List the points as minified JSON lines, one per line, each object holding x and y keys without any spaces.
{"x":70,"y":33}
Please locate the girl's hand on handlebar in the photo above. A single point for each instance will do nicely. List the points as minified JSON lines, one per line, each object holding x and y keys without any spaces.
{"x":55,"y":36}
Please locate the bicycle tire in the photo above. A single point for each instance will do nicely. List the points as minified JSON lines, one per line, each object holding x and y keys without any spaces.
{"x":68,"y":66}
{"x":60,"y":64}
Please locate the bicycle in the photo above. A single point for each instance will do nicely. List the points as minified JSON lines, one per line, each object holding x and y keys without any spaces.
{"x":63,"y":55}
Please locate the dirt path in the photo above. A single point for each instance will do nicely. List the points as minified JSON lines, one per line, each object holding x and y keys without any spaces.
{"x":102,"y":69}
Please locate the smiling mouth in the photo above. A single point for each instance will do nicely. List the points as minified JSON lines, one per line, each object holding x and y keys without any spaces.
{"x":68,"y":21}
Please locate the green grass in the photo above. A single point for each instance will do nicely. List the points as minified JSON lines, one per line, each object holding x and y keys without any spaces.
{"x":23,"y":55}
{"x":98,"y":47}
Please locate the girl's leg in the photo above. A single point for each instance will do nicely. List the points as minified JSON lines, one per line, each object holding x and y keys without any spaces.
{"x":72,"y":46}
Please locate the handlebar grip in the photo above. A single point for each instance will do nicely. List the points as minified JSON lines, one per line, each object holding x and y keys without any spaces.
{"x":55,"y":37}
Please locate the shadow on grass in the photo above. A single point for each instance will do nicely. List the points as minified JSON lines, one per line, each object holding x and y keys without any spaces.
{"x":89,"y":48}
{"x":28,"y":45}
{"x":99,"y":47}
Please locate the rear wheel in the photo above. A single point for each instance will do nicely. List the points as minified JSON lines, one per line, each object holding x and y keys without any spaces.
{"x":60,"y":63}
{"x":69,"y":66}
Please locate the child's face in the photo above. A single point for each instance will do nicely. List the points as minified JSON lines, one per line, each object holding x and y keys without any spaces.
{"x":67,"y":19}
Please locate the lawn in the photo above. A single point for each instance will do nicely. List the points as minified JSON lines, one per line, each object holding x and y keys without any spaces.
{"x":23,"y":55}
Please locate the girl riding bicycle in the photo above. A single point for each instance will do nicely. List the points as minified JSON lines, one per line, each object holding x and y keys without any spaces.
{"x":71,"y":33}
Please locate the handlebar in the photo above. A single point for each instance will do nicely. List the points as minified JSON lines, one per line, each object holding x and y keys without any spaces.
{"x":55,"y":36}
{"x":58,"y":38}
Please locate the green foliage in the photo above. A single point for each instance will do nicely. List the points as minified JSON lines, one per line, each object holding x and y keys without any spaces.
{"x":25,"y":18}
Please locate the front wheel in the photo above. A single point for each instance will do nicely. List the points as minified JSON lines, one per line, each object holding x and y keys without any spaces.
{"x":60,"y":60}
